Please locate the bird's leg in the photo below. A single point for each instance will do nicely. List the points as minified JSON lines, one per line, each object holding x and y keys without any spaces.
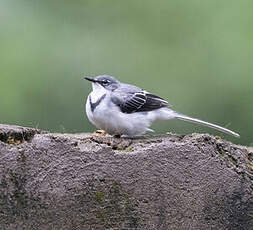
{"x":100,"y":132}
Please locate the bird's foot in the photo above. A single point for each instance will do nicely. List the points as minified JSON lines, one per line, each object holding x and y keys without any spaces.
{"x":100,"y":132}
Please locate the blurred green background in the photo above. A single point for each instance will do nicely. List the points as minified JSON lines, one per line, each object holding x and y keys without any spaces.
{"x":196,"y":54}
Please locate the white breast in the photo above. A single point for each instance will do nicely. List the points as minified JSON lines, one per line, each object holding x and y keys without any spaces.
{"x":107,"y":116}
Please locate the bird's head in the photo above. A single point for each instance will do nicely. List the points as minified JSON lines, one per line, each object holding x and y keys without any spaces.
{"x":105,"y":81}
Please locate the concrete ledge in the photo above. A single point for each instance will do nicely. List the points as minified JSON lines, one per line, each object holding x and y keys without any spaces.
{"x":82,"y":181}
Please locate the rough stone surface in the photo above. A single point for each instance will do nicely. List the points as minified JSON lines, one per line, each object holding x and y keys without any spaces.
{"x":83,"y":181}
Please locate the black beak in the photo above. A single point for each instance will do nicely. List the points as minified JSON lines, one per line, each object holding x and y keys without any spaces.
{"x":90,"y":79}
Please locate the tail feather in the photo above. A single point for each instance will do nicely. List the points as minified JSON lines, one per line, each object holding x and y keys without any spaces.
{"x":195,"y":120}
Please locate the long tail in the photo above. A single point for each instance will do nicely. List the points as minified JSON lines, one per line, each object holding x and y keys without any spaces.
{"x":195,"y":120}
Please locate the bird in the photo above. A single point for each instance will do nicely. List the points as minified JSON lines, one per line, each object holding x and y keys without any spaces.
{"x":124,"y":109}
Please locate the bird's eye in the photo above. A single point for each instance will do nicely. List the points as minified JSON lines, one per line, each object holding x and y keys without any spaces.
{"x":106,"y":82}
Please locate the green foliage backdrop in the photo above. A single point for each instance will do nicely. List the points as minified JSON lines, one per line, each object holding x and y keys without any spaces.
{"x":196,"y":54}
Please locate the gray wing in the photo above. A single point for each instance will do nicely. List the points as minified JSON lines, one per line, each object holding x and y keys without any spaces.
{"x":136,"y":100}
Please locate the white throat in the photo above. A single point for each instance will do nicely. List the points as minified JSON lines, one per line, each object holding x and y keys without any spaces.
{"x":97,"y":92}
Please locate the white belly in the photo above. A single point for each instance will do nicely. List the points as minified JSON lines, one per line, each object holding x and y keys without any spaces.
{"x":113,"y":121}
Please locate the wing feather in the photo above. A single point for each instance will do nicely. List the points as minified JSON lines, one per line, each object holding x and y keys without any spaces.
{"x":142,"y":102}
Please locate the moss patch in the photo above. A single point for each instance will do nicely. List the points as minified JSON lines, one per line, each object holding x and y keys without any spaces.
{"x":116,"y":209}
{"x":12,"y":141}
